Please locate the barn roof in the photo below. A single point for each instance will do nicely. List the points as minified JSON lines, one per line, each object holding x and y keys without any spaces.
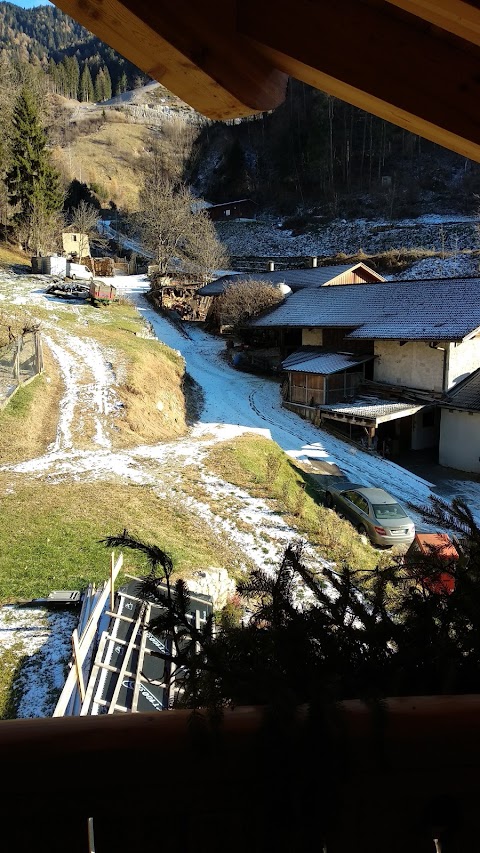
{"x":432,"y":309}
{"x":466,"y":395}
{"x":316,"y":360}
{"x":295,"y":279}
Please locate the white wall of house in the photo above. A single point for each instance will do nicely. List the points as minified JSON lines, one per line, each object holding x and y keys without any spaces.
{"x":414,"y":364}
{"x":460,"y":440}
{"x":463,"y":359}
{"x":425,"y":426}
{"x":312,"y":337}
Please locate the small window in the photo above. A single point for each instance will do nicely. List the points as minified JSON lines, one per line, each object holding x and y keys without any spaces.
{"x":227,"y":213}
{"x":357,"y":500}
{"x":74,"y":238}
{"x":363,"y":505}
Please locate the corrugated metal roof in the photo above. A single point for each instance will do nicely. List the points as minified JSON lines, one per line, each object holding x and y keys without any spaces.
{"x":372,"y":407}
{"x":296,"y":279}
{"x":466,"y":395}
{"x":315,"y":360}
{"x":431,"y":309}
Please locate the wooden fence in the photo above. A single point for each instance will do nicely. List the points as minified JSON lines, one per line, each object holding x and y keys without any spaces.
{"x":20,"y":362}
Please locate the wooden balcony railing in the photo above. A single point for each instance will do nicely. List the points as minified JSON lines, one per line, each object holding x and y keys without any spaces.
{"x":402,"y":778}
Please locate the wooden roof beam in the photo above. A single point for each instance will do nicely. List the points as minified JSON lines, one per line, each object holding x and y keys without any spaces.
{"x":384,"y":61}
{"x":455,"y":16}
{"x":191,"y":48}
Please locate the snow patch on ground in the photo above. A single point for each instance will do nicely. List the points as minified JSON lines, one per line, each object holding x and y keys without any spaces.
{"x":265,"y":238}
{"x":43,"y":638}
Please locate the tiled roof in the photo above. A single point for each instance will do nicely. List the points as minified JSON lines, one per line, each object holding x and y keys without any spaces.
{"x":372,"y":407}
{"x":466,"y":395}
{"x":431,"y":309}
{"x":314,"y":360}
{"x":296,"y":279}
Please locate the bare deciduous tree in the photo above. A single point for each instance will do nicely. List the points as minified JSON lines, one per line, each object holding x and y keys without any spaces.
{"x":181,"y":236}
{"x":41,"y":231}
{"x":245,"y":299}
{"x":85,"y":220}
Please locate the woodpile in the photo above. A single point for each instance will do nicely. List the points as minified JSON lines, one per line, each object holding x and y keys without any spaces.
{"x":104,"y":267}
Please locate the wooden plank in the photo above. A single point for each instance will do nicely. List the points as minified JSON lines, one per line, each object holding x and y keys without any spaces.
{"x":141,"y":657}
{"x":105,"y":704}
{"x":112,"y":581}
{"x":377,"y":59}
{"x":457,"y":17}
{"x":77,"y":664}
{"x":87,"y":702}
{"x":85,"y":643}
{"x":123,"y":668}
{"x":191,"y":49}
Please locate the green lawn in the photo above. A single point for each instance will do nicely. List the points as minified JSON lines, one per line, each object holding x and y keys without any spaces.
{"x":50,"y":535}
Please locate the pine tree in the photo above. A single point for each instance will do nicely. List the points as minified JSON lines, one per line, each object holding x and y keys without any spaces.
{"x":52,"y":73}
{"x":122,"y":84}
{"x":32,"y":182}
{"x":86,"y":85}
{"x":107,"y":84}
{"x":100,"y":86}
{"x":72,"y":73}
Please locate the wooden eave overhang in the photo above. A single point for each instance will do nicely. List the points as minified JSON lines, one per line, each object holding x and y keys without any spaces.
{"x":415,"y":63}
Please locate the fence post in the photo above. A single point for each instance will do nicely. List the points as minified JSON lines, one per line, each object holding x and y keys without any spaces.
{"x":16,"y":362}
{"x":38,"y":352}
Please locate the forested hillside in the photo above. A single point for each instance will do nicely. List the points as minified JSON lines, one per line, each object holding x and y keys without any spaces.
{"x":79,"y":65}
{"x":319,"y":153}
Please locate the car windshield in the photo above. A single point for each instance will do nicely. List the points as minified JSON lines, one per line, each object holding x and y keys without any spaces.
{"x":384,"y":511}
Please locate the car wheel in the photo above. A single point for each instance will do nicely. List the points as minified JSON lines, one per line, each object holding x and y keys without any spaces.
{"x":362,"y":530}
{"x":328,"y":499}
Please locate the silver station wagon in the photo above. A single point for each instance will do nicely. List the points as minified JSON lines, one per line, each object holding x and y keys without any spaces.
{"x":374,"y":513}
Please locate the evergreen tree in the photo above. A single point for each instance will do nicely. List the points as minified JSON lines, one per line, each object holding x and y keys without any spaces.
{"x":52,"y":73}
{"x":122,"y":84}
{"x":32,"y":182}
{"x":107,"y":84}
{"x":86,"y":85}
{"x":72,"y":73}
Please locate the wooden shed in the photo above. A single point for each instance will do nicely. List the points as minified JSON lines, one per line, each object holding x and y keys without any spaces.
{"x":100,"y":290}
{"x":243,"y":208}
{"x":316,"y":377}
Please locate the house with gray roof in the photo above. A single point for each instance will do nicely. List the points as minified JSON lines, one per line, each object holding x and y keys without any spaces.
{"x":404,"y":347}
{"x":298,"y":279}
{"x":287,"y":281}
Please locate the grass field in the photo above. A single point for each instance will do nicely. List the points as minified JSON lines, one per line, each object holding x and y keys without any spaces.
{"x":110,"y":159}
{"x":51,"y":534}
{"x":28,"y":423}
{"x":261,"y":467}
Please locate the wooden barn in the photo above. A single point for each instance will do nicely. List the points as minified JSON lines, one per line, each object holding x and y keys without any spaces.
{"x":100,"y":290}
{"x":244,"y":208}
